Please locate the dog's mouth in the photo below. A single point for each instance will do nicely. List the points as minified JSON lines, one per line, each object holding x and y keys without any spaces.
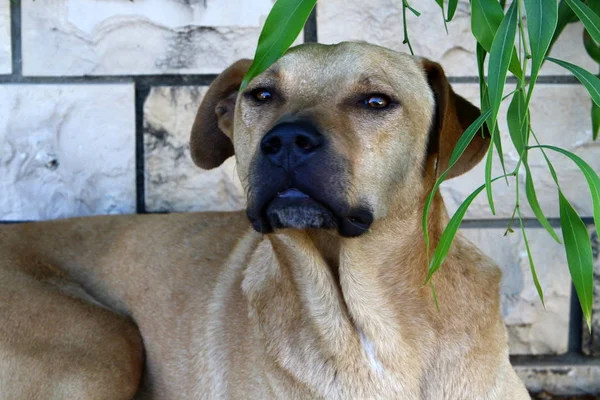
{"x":295,"y":209}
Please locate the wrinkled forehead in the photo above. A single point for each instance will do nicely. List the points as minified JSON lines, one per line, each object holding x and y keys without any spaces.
{"x":331,"y":68}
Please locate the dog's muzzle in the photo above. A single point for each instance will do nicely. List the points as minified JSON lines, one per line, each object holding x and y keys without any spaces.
{"x":298,"y":182}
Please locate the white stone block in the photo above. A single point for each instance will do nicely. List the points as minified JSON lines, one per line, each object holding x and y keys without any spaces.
{"x":173,"y":182}
{"x":112,"y":37}
{"x":5,"y":39}
{"x":66,"y":150}
{"x":567,"y":379}
{"x":380,"y":22}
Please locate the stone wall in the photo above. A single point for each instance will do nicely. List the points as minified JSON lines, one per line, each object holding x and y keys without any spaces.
{"x":97,"y":99}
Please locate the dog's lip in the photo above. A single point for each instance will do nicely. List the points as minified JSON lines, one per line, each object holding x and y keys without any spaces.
{"x":352,"y":223}
{"x":293,"y":193}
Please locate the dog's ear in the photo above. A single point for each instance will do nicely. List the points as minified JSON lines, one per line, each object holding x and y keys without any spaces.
{"x":453,"y":115}
{"x":210,"y":141}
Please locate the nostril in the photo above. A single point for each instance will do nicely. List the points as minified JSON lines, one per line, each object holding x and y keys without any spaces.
{"x":272,"y":145}
{"x":306,"y":143}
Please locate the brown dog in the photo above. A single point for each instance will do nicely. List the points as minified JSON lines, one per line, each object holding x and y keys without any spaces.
{"x":337,"y":147}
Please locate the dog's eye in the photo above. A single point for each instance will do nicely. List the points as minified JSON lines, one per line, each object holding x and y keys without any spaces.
{"x":377,"y":101}
{"x":261,"y":95}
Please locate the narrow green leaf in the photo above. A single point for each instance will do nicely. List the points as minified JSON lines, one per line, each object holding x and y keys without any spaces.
{"x":498,"y":145}
{"x":452,"y":4}
{"x":589,"y":80}
{"x":590,"y":20}
{"x":542,"y":17}
{"x":282,"y":27}
{"x":594,"y":5}
{"x":497,"y":140}
{"x":481,"y":53}
{"x":488,"y":174}
{"x":459,"y":149}
{"x":595,"y":121}
{"x":590,"y":175}
{"x":465,"y":140}
{"x":579,"y":255}
{"x":531,"y":265}
{"x":535,"y":205}
{"x":441,"y":4}
{"x":591,"y":47}
{"x":565,"y":17}
{"x":500,"y":56}
{"x":441,"y":250}
{"x":486,"y":17}
{"x":517,"y":118}
{"x":407,"y":5}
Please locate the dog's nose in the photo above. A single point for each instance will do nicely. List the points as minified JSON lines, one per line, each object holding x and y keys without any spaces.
{"x":290,"y":144}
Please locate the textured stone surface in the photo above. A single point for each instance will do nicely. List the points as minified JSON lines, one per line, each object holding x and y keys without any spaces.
{"x":591,"y":340}
{"x":173,"y":182}
{"x":5,"y":47}
{"x":563,"y":379}
{"x":77,"y":37}
{"x":532,"y":329}
{"x":380,"y":22}
{"x":66,"y":150}
{"x":560,"y":116}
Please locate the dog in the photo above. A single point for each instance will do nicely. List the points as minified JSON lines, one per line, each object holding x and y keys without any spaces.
{"x":316,"y":291}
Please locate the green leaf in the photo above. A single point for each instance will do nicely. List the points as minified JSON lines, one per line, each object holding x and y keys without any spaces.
{"x":282,"y":27}
{"x":500,"y":56}
{"x":498,"y":145}
{"x":594,"y":5}
{"x":481,"y":53}
{"x":579,"y":255}
{"x":595,"y":121}
{"x":542,"y":17}
{"x":452,"y":4}
{"x":488,"y":174}
{"x":485,"y":105}
{"x":590,"y":20}
{"x":591,"y":47}
{"x":441,"y":250}
{"x":590,"y":175}
{"x":441,"y":4}
{"x":486,"y":17}
{"x":531,"y":265}
{"x":407,"y":5}
{"x":565,"y":17}
{"x":591,"y":82}
{"x":517,"y":118}
{"x":535,"y":205}
{"x":459,"y":149}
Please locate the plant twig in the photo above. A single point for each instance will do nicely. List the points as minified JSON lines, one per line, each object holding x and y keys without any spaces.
{"x":406,"y":40}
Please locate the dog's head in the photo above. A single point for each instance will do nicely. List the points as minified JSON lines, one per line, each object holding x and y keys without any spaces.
{"x":334,"y":137}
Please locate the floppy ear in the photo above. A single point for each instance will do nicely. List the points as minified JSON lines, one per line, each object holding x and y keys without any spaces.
{"x":453,"y":115}
{"x":210,"y":141}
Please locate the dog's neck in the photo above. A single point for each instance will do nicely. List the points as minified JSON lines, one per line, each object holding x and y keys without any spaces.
{"x":339,"y":299}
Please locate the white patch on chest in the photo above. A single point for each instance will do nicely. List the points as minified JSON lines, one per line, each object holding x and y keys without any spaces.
{"x":369,"y":348}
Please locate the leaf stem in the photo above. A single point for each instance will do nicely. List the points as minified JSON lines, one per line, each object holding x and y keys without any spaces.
{"x":550,"y":166}
{"x":406,"y":40}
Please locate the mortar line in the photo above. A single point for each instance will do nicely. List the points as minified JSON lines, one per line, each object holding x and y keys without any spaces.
{"x":15,"y":39}
{"x":310,"y":28}
{"x":141,"y":94}
{"x":200,"y":79}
